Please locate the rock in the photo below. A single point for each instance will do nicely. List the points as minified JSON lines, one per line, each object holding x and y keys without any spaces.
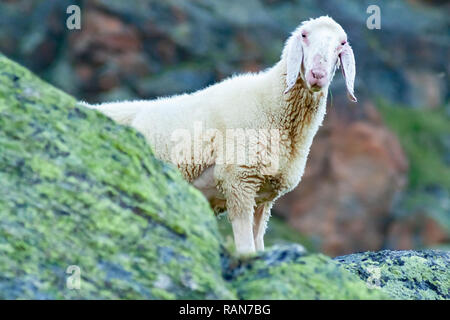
{"x":420,"y":228}
{"x":181,"y":79}
{"x":32,"y":32}
{"x":421,"y":217}
{"x":78,"y":189}
{"x":420,"y":275}
{"x":355,"y":171}
{"x":386,"y":57}
{"x":106,"y":53}
{"x":403,"y":63}
{"x":287,"y":272}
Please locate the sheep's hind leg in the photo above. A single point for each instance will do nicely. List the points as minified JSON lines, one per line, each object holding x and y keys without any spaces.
{"x":262,"y":215}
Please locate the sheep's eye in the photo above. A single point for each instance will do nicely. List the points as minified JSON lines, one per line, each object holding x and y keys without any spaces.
{"x":343,"y":42}
{"x":303,"y":35}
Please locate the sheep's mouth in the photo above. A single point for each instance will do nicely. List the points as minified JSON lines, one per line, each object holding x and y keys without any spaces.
{"x":315,"y":88}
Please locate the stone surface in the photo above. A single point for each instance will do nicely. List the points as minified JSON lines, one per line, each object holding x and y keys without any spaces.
{"x":403,"y":274}
{"x":78,"y":189}
{"x":402,"y":62}
{"x":287,"y":272}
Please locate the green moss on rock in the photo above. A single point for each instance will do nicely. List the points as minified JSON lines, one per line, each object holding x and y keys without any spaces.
{"x":404,"y":274}
{"x":287,"y":272}
{"x":78,"y":189}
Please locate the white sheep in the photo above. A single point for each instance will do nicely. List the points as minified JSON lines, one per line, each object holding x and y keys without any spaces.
{"x":288,"y":100}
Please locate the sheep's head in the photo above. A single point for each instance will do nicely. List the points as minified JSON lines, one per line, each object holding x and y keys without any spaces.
{"x":314,"y":51}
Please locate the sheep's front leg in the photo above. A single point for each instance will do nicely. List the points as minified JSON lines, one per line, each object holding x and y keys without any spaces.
{"x":240,"y":193}
{"x":240,"y":206}
{"x":243,"y":233}
{"x":262,"y":215}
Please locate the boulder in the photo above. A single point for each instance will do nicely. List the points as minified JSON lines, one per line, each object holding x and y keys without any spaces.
{"x":287,"y":272}
{"x":418,"y":275}
{"x":79,"y":190}
{"x":120,"y":45}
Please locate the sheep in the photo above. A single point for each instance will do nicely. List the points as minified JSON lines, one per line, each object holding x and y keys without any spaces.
{"x":289,"y":99}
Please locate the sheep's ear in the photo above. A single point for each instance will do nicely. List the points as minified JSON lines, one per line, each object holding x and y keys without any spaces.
{"x":294,"y":60}
{"x":348,"y":70}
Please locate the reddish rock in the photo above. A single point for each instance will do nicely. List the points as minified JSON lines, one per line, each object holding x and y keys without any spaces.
{"x":166,"y":52}
{"x":355,"y":169}
{"x":106,"y":51}
{"x":400,"y":236}
{"x":433,"y":233}
{"x":416,"y":230}
{"x":101,"y":30}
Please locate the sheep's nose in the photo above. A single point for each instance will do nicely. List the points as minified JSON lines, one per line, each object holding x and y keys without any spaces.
{"x":317,"y":78}
{"x":318,"y":74}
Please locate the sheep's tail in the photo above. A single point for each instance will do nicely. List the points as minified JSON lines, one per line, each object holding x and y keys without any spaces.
{"x":121,"y":112}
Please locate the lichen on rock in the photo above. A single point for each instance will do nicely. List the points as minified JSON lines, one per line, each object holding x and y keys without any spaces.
{"x":78,"y":189}
{"x":419,"y":275}
{"x":288,"y":272}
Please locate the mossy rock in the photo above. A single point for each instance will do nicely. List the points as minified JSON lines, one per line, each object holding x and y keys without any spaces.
{"x":78,"y":189}
{"x":418,"y":275}
{"x":288,"y":272}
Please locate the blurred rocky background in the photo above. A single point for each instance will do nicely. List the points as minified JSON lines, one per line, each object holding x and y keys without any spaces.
{"x":378,"y":175}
